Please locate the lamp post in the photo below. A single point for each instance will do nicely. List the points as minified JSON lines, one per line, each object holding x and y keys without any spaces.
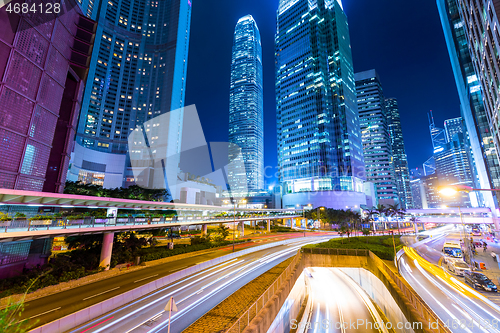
{"x":395,"y":254}
{"x":234,"y":219}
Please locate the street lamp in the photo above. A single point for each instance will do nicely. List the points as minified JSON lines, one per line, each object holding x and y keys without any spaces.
{"x":451,"y":190}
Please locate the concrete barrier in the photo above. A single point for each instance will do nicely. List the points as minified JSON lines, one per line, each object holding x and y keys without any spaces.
{"x":80,"y":317}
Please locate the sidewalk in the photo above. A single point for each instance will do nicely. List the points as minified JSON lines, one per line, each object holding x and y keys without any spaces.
{"x":492,"y":268}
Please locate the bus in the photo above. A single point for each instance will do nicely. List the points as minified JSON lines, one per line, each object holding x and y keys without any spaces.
{"x":452,"y":249}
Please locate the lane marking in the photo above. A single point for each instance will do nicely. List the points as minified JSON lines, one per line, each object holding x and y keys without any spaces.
{"x":177,"y":269}
{"x":107,"y":291}
{"x":41,"y":314}
{"x":149,"y":277}
{"x":88,"y":329}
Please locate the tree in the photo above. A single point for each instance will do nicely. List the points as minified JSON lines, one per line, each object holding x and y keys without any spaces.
{"x":395,"y":210}
{"x":366,"y":233}
{"x":133,"y":192}
{"x":85,"y":242}
{"x":381,"y":211}
{"x":221,"y":234}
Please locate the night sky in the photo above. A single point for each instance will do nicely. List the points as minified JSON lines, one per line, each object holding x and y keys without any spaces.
{"x":402,"y":40}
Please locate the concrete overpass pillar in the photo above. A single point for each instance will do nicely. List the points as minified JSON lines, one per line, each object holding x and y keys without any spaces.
{"x":106,"y":250}
{"x":204,"y":229}
{"x":415,"y":226}
{"x":374,"y":226}
{"x":242,"y":231}
{"x":423,"y":226}
{"x":268,"y":225}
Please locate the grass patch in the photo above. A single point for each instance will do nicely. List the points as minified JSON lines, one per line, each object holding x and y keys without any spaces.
{"x":382,"y":246}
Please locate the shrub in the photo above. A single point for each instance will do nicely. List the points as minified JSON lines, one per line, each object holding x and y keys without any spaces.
{"x":381,"y":246}
{"x":40,"y":217}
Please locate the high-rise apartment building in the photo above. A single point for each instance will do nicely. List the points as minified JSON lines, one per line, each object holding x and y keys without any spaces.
{"x":43,"y":66}
{"x":246,"y":110}
{"x":377,"y":147}
{"x":399,"y":158}
{"x":138,"y":72}
{"x":460,"y":30}
{"x":319,"y":142}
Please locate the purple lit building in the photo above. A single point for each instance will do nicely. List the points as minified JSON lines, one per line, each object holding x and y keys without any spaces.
{"x":44,"y":62}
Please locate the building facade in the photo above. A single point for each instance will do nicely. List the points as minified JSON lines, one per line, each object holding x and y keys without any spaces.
{"x":319,"y":143}
{"x":44,"y":62}
{"x":454,"y":167}
{"x":377,"y":147}
{"x":470,"y":85}
{"x":138,"y":72}
{"x":43,"y":67}
{"x":399,"y":157}
{"x":246,"y":109}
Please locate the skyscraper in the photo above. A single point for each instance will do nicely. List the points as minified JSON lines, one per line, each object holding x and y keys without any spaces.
{"x":377,"y":147}
{"x":319,"y":142}
{"x":246,"y":110}
{"x":43,"y":67}
{"x":138,"y":72}
{"x":453,"y":159}
{"x":399,"y":158}
{"x":475,"y":104}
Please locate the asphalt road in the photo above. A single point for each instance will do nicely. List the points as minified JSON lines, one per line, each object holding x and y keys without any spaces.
{"x":461,"y":308}
{"x":194,"y":295}
{"x":46,"y":309}
{"x":337,"y":304}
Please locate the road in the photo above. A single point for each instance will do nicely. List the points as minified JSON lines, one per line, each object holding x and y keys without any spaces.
{"x":461,"y":308}
{"x":194,"y":295}
{"x":337,"y":304}
{"x":46,"y":309}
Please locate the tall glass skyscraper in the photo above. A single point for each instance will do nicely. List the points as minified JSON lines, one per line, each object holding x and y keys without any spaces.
{"x":319,"y":141}
{"x":246,"y":109}
{"x":453,"y":161}
{"x":471,"y":85}
{"x":399,"y":158}
{"x":377,"y":147}
{"x":138,"y":72}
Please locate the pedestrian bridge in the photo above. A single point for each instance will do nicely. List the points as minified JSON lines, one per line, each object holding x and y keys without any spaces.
{"x":452,"y":216}
{"x":16,"y":230}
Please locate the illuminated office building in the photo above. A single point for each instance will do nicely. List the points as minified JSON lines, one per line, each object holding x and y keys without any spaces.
{"x":138,"y":72}
{"x":319,"y":143}
{"x":246,"y":110}
{"x":400,"y":160}
{"x":476,"y":77}
{"x":377,"y":147}
{"x":453,"y":161}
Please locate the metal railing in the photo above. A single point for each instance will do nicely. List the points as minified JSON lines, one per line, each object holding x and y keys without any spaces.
{"x":245,"y":319}
{"x":338,"y":252}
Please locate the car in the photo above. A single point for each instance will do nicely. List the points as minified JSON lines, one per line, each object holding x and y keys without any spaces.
{"x":479,"y":281}
{"x":457,"y":266}
{"x":476,"y":232}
